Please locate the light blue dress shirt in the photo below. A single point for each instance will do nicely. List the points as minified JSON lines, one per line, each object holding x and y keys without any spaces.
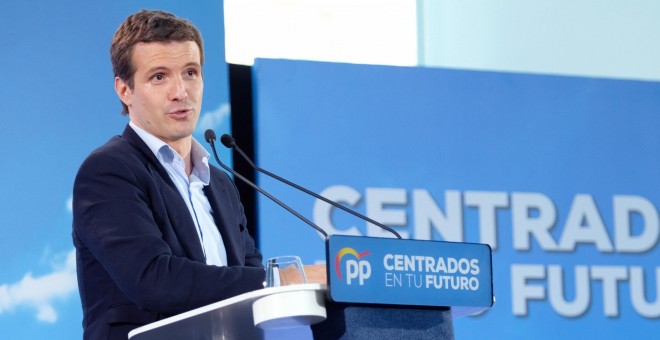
{"x":191,"y":190}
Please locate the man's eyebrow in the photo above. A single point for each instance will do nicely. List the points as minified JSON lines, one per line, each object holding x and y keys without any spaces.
{"x":157,"y":68}
{"x":165,"y":68}
{"x":193,"y":64}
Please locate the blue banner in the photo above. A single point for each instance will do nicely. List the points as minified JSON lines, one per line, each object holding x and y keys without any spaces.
{"x":59,"y":104}
{"x":559,"y":175}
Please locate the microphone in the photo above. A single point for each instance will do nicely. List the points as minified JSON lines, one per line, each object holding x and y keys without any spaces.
{"x":229,"y":142}
{"x":209,"y":135}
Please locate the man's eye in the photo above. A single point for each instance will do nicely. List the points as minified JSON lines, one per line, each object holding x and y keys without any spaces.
{"x":158,"y":77}
{"x":191,"y":73}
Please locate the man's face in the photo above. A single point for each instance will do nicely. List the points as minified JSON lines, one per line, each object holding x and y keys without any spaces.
{"x":167,"y":94}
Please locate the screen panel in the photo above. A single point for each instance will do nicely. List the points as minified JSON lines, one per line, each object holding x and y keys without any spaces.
{"x":557,"y":174}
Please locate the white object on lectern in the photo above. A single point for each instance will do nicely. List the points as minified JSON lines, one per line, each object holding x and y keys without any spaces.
{"x":289,"y":309}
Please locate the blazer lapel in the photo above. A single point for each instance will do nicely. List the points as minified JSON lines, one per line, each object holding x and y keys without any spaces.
{"x":225,"y":219}
{"x":177,"y":210}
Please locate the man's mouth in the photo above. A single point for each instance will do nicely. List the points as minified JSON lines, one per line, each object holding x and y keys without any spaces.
{"x":180,"y":114}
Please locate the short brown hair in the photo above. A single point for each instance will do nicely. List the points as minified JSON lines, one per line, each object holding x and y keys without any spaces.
{"x":148,"y":26}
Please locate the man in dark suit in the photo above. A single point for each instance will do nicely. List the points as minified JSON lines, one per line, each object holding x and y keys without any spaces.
{"x":156,"y":229}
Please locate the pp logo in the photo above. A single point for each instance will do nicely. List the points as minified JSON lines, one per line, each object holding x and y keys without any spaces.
{"x":355,"y":268}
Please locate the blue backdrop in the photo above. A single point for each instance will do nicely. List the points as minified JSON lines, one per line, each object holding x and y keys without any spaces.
{"x":58,"y":104}
{"x":557,"y":174}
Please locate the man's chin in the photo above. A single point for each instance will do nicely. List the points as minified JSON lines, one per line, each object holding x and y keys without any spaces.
{"x":180,"y":134}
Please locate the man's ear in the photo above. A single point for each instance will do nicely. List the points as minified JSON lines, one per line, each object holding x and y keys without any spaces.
{"x":123,"y":91}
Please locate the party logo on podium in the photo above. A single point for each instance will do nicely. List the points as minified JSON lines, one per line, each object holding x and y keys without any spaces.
{"x":356,"y":267}
{"x":409,"y":272}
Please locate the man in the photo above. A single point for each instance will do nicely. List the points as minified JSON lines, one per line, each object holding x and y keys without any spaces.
{"x":156,"y":229}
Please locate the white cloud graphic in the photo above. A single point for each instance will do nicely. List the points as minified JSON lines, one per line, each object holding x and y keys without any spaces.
{"x":38,"y":293}
{"x":213,"y":119}
{"x":69,"y":204}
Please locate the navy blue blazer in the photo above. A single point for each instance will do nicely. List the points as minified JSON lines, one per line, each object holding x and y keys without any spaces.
{"x":138,"y":255}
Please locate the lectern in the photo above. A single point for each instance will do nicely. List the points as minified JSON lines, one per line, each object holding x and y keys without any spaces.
{"x":377,"y":289}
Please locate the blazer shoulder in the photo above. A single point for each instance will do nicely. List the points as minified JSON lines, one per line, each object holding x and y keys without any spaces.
{"x":127,"y":148}
{"x":115,"y":155}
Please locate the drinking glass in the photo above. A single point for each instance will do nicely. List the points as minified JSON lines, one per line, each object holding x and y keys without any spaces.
{"x":284,"y":271}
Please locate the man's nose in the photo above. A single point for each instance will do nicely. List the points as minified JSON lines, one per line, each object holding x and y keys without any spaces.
{"x":178,"y":89}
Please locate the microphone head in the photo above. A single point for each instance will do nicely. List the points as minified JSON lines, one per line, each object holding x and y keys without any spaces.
{"x":227,"y":141}
{"x":209,"y":135}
